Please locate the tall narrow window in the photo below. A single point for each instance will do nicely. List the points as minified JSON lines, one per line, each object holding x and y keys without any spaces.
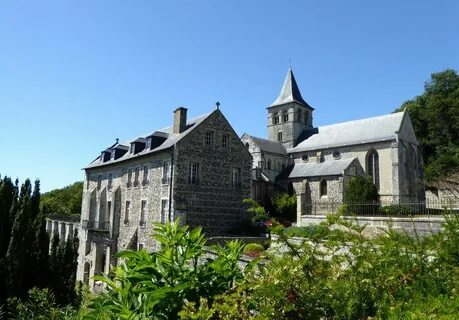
{"x":193,"y":174}
{"x":88,"y":177}
{"x":299,"y":116}
{"x":110,"y":181}
{"x":129,"y":179}
{"x":109,"y":213}
{"x":166,"y":172}
{"x":224,"y":141}
{"x":285,"y":116}
{"x":236,"y":178}
{"x":143,"y":210}
{"x":279,"y":136}
{"x":269,"y":164}
{"x":306,"y":117}
{"x":323,"y":188}
{"x":136,"y":177}
{"x":163,"y":210}
{"x":209,"y":138}
{"x":127,"y":212}
{"x":373,"y":166}
{"x":99,"y":181}
{"x":145,"y":175}
{"x":276,"y":118}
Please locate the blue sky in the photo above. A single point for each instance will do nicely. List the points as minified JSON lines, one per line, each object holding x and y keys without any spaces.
{"x":75,"y":75}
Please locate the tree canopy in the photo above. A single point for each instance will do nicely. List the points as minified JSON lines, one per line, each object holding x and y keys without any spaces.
{"x":435,"y":117}
{"x":64,"y":201}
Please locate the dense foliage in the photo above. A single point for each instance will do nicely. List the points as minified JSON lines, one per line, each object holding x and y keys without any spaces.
{"x":64,"y":201}
{"x":360,"y":190}
{"x":435,"y":117}
{"x":284,"y":206}
{"x":25,"y":259}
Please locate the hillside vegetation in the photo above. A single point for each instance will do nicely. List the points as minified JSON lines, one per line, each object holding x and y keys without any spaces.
{"x":435,"y":117}
{"x":64,"y":201}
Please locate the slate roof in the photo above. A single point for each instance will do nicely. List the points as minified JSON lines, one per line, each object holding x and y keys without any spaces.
{"x":268,"y":145}
{"x":172,"y":139}
{"x":327,"y":168}
{"x":263,"y":177}
{"x":381,"y":128}
{"x":290,"y":92}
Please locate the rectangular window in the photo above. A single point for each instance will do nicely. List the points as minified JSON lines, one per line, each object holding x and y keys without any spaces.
{"x":225,"y":141}
{"x":236,"y":178}
{"x":166,"y":172}
{"x":145,"y":175}
{"x":143,"y":212}
{"x":276,"y":118}
{"x":140,"y":246}
{"x":209,"y":138}
{"x":279,"y":136}
{"x":129,"y":181}
{"x":127,"y":212}
{"x":110,"y":181}
{"x":136,"y":177}
{"x":163,"y":211}
{"x":193,"y":174}
{"x":99,"y":181}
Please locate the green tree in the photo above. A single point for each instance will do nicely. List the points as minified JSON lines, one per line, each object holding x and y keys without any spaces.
{"x":435,"y":117}
{"x":64,"y":201}
{"x":360,"y":190}
{"x":285,"y":206}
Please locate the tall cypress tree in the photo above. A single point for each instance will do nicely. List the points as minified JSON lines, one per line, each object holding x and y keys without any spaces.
{"x":16,"y":255}
{"x":7,"y":195}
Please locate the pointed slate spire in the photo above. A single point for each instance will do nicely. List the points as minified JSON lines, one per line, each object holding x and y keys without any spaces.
{"x":290,"y":92}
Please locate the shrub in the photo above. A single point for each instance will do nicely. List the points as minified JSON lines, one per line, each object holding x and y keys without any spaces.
{"x":256,"y":211}
{"x":285,"y":206}
{"x":253,"y":249}
{"x":360,"y":190}
{"x":310,"y":231}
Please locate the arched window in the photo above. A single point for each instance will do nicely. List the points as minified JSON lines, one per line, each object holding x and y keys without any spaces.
{"x":323,"y":188}
{"x":373,"y":166}
{"x":285,"y":116}
{"x":276,"y":118}
{"x":269,"y":164}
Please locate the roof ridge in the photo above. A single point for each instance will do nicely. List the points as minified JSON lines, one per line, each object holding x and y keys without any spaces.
{"x":363,"y":119}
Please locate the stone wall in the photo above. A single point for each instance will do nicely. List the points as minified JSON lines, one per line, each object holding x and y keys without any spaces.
{"x":376,"y":225}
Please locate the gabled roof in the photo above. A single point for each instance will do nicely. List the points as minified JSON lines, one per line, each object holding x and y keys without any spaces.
{"x":268,"y":145}
{"x":382,"y":128}
{"x":171,"y":140}
{"x":327,"y":168}
{"x":290,"y":92}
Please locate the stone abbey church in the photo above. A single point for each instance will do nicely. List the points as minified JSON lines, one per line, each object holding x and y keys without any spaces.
{"x":200,"y":170}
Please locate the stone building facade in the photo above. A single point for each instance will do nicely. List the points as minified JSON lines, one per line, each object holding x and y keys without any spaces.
{"x":196,"y":170}
{"x":384,"y":148}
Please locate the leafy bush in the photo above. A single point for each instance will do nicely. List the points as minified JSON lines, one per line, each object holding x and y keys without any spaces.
{"x":257,"y":212}
{"x":360,"y":190}
{"x":253,"y":249}
{"x":310,"y":231}
{"x":155,"y":285}
{"x":285,"y":206}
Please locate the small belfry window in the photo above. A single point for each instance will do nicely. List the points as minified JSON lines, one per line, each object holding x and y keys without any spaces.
{"x":225,"y":141}
{"x":193,"y":174}
{"x":209,"y":138}
{"x":285,"y":116}
{"x":279,"y":136}
{"x":323,"y":188}
{"x":306,"y":117}
{"x":236,"y":178}
{"x":276,"y":118}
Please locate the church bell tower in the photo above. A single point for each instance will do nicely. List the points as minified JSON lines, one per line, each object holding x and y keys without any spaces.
{"x":289,"y":116}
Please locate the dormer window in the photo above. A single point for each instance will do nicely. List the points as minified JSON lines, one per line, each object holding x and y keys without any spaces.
{"x":138,"y":145}
{"x":156,"y":139}
{"x":105,"y":155}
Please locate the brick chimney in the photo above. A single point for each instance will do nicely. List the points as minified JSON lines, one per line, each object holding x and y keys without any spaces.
{"x":180,"y":119}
